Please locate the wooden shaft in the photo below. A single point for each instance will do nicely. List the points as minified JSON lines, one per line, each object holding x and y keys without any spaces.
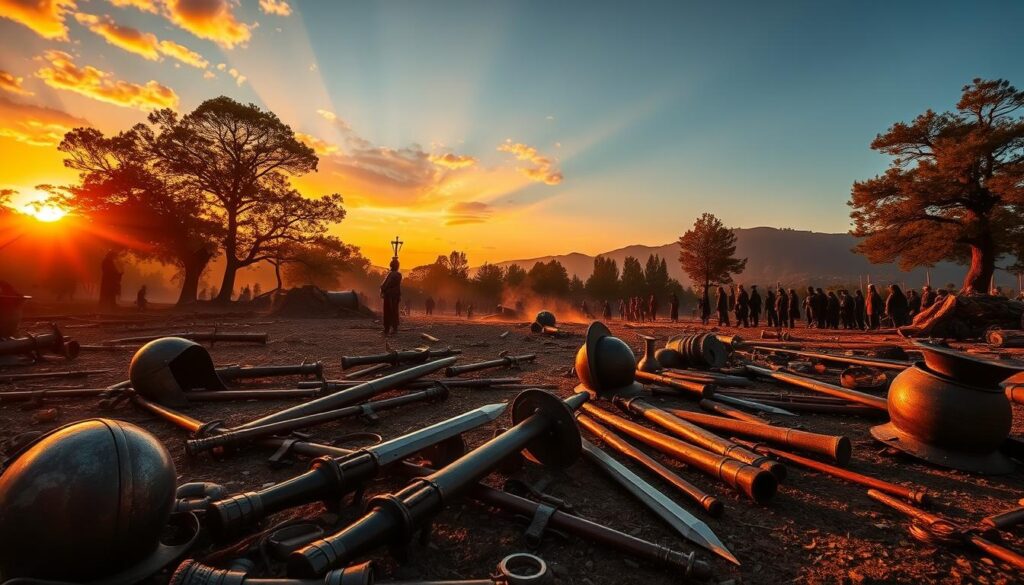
{"x":823,"y":388}
{"x":731,"y":412}
{"x":698,"y":389}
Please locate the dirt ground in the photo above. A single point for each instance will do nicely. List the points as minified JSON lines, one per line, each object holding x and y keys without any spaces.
{"x":818,"y":529}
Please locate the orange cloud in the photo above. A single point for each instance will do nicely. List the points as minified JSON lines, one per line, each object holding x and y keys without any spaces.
{"x":213,"y":20}
{"x":144,"y":44}
{"x":143,"y":5}
{"x":320,"y":147}
{"x":539,"y":168}
{"x":130,"y":39}
{"x":62,"y":73}
{"x":183,"y":54}
{"x":467,"y":212}
{"x":44,"y":17}
{"x":35,"y":125}
{"x":275,"y":7}
{"x":451,"y":160}
{"x":12,"y":84}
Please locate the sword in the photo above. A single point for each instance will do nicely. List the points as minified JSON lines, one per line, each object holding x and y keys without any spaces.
{"x":686,"y":524}
{"x":331,"y":477}
{"x":752,"y":404}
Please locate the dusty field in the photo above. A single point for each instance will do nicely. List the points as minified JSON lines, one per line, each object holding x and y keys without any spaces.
{"x":816,"y":530}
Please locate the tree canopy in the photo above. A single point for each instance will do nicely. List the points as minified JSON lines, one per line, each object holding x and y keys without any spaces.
{"x":707,"y":252}
{"x":954,"y":189}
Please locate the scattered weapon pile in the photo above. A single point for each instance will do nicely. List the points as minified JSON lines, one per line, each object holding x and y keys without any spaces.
{"x":117,"y":515}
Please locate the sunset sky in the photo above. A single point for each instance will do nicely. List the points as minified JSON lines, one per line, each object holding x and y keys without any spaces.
{"x":517,"y":129}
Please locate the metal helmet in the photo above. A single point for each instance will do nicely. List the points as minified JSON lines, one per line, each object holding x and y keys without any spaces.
{"x":546,"y":318}
{"x":165,"y":369}
{"x":84,"y":501}
{"x":946,"y":422}
{"x":605,"y":365}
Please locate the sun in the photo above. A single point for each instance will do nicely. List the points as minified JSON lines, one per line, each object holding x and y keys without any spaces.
{"x":44,"y":212}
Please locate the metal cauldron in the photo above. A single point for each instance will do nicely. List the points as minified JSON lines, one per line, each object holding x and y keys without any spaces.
{"x":971,"y":369}
{"x":701,"y":350}
{"x":947,"y":422}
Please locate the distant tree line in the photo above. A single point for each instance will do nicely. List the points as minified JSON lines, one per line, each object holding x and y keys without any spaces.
{"x":449,"y":279}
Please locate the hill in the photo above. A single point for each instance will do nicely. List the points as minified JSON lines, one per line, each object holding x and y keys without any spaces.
{"x":793,"y":257}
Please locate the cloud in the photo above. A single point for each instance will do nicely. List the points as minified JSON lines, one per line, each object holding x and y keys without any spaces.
{"x":450,"y":160}
{"x":213,"y":20}
{"x":468,"y":212}
{"x":209,"y":75}
{"x":35,"y":125}
{"x":144,"y":44}
{"x":539,"y":168}
{"x":143,"y":5}
{"x":238,"y":77}
{"x":62,"y":73}
{"x":12,"y":84}
{"x":320,"y":147}
{"x":275,"y":7}
{"x":335,"y":121}
{"x":183,"y":54}
{"x":44,"y":17}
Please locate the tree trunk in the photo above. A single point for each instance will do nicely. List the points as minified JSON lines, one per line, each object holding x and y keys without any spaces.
{"x":227,"y":285}
{"x":983,"y":265}
{"x":277,"y":274}
{"x":194,"y":264}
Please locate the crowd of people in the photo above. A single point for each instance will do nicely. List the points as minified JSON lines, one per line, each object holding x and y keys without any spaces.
{"x":837,"y":309}
{"x":639,"y":309}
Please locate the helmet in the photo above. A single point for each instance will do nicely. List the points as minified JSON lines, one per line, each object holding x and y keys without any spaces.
{"x":84,"y":501}
{"x":606,"y":366}
{"x":946,"y":422}
{"x":546,"y":318}
{"x":164,"y":369}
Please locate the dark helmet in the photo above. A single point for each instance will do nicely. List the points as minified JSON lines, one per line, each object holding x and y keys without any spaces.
{"x":546,"y":318}
{"x":164,"y":369}
{"x":84,"y":501}
{"x":605,"y":365}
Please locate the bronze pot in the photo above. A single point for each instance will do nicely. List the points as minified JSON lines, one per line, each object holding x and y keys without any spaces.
{"x":947,"y":422}
{"x":10,"y":314}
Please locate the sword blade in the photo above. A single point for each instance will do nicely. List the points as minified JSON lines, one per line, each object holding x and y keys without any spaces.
{"x":685,"y":523}
{"x":752,"y":404}
{"x":401,"y":447}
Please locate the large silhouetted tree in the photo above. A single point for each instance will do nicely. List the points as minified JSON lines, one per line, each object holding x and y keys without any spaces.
{"x":549,"y":279}
{"x":954,"y":189}
{"x":603,"y":283}
{"x":633,"y":282}
{"x":321,"y":262}
{"x":133,"y":202}
{"x":707,"y":252}
{"x":240,"y":157}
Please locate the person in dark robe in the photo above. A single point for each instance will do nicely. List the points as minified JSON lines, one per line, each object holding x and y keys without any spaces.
{"x":458,"y":307}
{"x":622,"y":309}
{"x":782,"y":308}
{"x":771,"y":316}
{"x":846,"y":316}
{"x":641,"y":308}
{"x":140,"y":299}
{"x":732,"y":298}
{"x":673,"y":307}
{"x":809,"y":307}
{"x":820,"y":309}
{"x":391,"y":292}
{"x":859,"y":309}
{"x":927,"y":297}
{"x":896,"y":306}
{"x":469,"y":311}
{"x":755,"y":306}
{"x":742,"y":307}
{"x":794,"y":308}
{"x":585,"y":310}
{"x":705,"y":305}
{"x":873,"y":308}
{"x":722,"y":305}
{"x":110,"y":281}
{"x":607,"y":310}
{"x":913,"y":304}
{"x":832,"y":310}
{"x":652,"y":307}
{"x":429,"y":305}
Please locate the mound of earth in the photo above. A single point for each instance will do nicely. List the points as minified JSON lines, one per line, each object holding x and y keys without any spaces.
{"x":313,"y":302}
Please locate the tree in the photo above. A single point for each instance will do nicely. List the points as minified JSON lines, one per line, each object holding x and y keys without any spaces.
{"x":656,"y":275}
{"x":603,"y":283}
{"x":633,"y":282}
{"x":954,"y":189}
{"x":549,"y":279}
{"x":132,"y":201}
{"x":577,"y":290}
{"x":488,"y":283}
{"x":456,"y":265}
{"x":515,"y":275}
{"x":321,"y":262}
{"x":240,"y":158}
{"x":707,"y":252}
